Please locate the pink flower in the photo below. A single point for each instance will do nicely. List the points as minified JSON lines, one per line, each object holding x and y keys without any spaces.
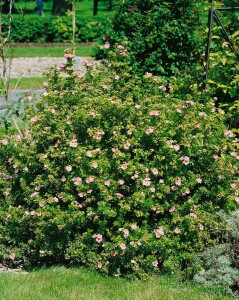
{"x":161,"y":181}
{"x":159,"y":232}
{"x":34,"y":119}
{"x":129,"y":132}
{"x":133,"y":261}
{"x":123,"y":246}
{"x":177,"y":230}
{"x":178,"y":181}
{"x":137,"y":106}
{"x":69,"y":168}
{"x":97,"y":237}
{"x":176,"y":147}
{"x":124,"y":166}
{"x":73,"y":143}
{"x":199,"y":180}
{"x":119,"y":195}
{"x":148,"y":75}
{"x":107,"y":182}
{"x":117,"y":77}
{"x":34,"y":194}
{"x":172,"y":209}
{"x":77,"y":180}
{"x":155,"y":263}
{"x":193,"y":215}
{"x":81,"y":194}
{"x":174,"y":188}
{"x":45,"y":94}
{"x":99,"y":265}
{"x":127,"y":145}
{"x":163,"y":88}
{"x":89,"y":179}
{"x":201,"y":227}
{"x":149,"y":130}
{"x":86,"y":63}
{"x":233,"y":154}
{"x":152,"y":190}
{"x":126,"y":233}
{"x":229,"y":133}
{"x":95,"y":165}
{"x":215,"y":156}
{"x":121,"y":181}
{"x":79,"y":74}
{"x":179,"y":110}
{"x":135,"y":176}
{"x":69,"y":55}
{"x":113,"y":253}
{"x":233,"y":185}
{"x":146,"y":181}
{"x":154,"y":113}
{"x":185,"y":160}
{"x":4,"y":142}
{"x":89,"y":153}
{"x":134,"y":226}
{"x":12,"y":256}
{"x":106,"y":46}
{"x":45,"y":84}
{"x":236,"y":199}
{"x":155,"y":171}
{"x":120,"y":47}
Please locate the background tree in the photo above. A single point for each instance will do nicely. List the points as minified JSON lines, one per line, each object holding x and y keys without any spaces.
{"x":5,"y":7}
{"x":60,"y":7}
{"x":95,"y":9}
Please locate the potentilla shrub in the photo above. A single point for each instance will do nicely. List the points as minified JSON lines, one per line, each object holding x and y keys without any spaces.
{"x":119,"y":173}
{"x":161,"y":35}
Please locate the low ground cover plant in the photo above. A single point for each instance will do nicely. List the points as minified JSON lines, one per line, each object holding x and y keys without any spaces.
{"x":116,"y":172}
{"x":220,"y":263}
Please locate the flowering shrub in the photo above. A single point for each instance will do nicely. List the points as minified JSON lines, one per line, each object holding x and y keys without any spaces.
{"x":120,"y":173}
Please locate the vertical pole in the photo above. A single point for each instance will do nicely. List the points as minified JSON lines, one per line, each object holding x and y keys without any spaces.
{"x":207,"y":56}
{"x":73,"y":23}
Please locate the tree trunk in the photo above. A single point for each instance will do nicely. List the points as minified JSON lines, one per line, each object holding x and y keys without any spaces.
{"x":110,"y":5}
{"x":95,"y":7}
{"x":5,"y":9}
{"x":60,"y":7}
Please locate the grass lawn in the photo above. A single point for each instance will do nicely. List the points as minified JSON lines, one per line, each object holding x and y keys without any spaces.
{"x":33,"y":51}
{"x":73,"y":284}
{"x":84,"y":8}
{"x":27,"y":83}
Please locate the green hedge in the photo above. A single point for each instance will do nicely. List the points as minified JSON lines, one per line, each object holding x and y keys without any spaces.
{"x":57,"y":29}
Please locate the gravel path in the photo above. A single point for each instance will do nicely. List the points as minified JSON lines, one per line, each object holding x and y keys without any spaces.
{"x":35,"y":66}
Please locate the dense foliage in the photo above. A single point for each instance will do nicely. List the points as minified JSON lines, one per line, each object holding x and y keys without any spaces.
{"x":161,"y":35}
{"x":120,"y":173}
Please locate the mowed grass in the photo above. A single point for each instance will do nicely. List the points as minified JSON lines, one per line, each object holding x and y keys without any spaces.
{"x":84,"y":8}
{"x":27,"y":83}
{"x":79,"y":284}
{"x":33,"y":51}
